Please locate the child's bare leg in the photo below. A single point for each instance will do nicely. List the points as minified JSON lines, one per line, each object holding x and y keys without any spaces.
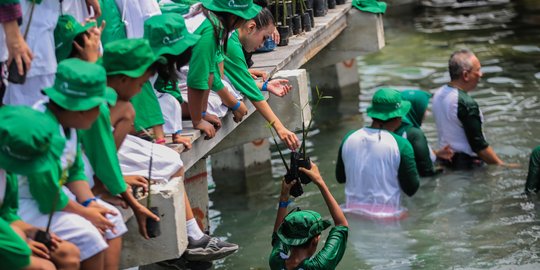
{"x":122,"y":117}
{"x":185,"y":111}
{"x":37,"y":263}
{"x":66,"y":256}
{"x":158,"y":132}
{"x":96,"y":262}
{"x":112,"y":254}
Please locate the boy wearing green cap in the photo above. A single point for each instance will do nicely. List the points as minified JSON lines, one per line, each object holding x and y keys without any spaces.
{"x":27,"y":150}
{"x":297,"y":235}
{"x":214,"y":20}
{"x":73,"y":39}
{"x":79,"y":89}
{"x":375,"y":164}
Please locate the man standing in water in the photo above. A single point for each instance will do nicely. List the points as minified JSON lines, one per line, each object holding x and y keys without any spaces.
{"x":458,"y":117}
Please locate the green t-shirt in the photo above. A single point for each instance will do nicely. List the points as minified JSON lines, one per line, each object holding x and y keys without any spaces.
{"x":468,"y":113}
{"x":204,"y":56}
{"x":14,"y":252}
{"x":115,"y":29}
{"x":168,"y":87}
{"x":327,"y":258}
{"x":100,"y":148}
{"x":533,"y":176}
{"x":236,"y":70}
{"x":422,"y":155}
{"x":10,"y":204}
{"x":147,"y":110}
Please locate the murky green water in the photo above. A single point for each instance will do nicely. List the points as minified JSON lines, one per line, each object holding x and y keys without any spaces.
{"x":460,"y":220}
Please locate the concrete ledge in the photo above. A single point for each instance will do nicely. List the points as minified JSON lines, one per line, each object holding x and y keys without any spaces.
{"x":173,"y":240}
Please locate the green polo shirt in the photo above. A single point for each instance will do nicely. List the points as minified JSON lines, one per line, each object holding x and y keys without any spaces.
{"x":236,"y":70}
{"x":99,"y":147}
{"x":10,"y":203}
{"x":327,"y":258}
{"x":204,"y":56}
{"x":468,"y":113}
{"x":147,"y":110}
{"x":14,"y":252}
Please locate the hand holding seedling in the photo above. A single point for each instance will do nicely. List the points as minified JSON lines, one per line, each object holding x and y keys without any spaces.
{"x":289,"y":138}
{"x":313,"y":174}
{"x":286,"y":189}
{"x":141,"y":214}
{"x":137,"y":181}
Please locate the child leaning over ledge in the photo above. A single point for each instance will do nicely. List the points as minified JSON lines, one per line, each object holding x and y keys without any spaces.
{"x":297,"y":235}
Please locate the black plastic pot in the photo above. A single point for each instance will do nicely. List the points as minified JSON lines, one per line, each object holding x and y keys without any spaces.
{"x":283,"y":35}
{"x":309,"y":4}
{"x":44,"y":238}
{"x":153,"y":228}
{"x":288,"y":5}
{"x":306,"y":22}
{"x":304,"y":163}
{"x":311,"y":16}
{"x":296,"y":189}
{"x":340,"y":2}
{"x":331,"y":4}
{"x":320,"y":8}
{"x":296,"y":25}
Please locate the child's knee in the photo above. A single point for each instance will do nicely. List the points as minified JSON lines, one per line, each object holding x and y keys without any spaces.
{"x":37,"y":263}
{"x":67,"y":256}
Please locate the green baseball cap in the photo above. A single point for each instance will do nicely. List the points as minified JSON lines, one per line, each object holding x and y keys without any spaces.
{"x":300,"y":226}
{"x":168,"y":34}
{"x":80,"y":86}
{"x":66,"y":30}
{"x":130,"y":57}
{"x":28,"y":148}
{"x":244,"y":9}
{"x":387,"y":104}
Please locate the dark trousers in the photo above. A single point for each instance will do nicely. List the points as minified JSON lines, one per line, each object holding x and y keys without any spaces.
{"x":462,"y":161}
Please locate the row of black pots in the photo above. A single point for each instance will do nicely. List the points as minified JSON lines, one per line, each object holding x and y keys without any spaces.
{"x":320,"y":7}
{"x":295,"y":25}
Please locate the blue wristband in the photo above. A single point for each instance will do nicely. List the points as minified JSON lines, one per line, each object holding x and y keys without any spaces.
{"x":265,"y":86}
{"x":235,"y":107}
{"x":87,"y":202}
{"x":284,"y":204}
{"x":203,"y":114}
{"x":178,"y":132}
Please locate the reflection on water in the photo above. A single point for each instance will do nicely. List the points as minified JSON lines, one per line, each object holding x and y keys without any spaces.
{"x":460,"y":220}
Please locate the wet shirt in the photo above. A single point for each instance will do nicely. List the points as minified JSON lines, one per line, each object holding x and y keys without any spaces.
{"x":375,"y":165}
{"x":459,"y":121}
{"x":533,"y":176}
{"x":327,"y":258}
{"x":100,"y":149}
{"x":9,"y":196}
{"x":237,"y":72}
{"x":422,"y":152}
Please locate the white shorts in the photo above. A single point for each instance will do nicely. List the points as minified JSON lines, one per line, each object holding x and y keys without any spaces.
{"x":172,"y":112}
{"x":215,"y":105}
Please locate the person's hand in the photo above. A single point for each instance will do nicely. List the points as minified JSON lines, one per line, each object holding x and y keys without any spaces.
{"x":279,"y":87}
{"x":255,"y":73}
{"x":206,"y":128}
{"x":97,"y":216}
{"x":289,"y":138}
{"x":141,"y":214}
{"x":90,"y":51}
{"x":445,"y":153}
{"x":285,"y":190}
{"x":38,"y":249}
{"x":239,"y":113}
{"x":275,"y":36}
{"x":55,"y":241}
{"x":214,"y":120}
{"x":137,"y":181}
{"x":313,"y":174}
{"x":18,"y":51}
{"x":511,"y":165}
{"x":95,"y":5}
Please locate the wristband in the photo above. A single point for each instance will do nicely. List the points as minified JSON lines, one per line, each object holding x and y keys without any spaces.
{"x":265,"y":86}
{"x":284,"y":204}
{"x":87,"y":202}
{"x":235,"y":107}
{"x":203,"y":114}
{"x":178,"y":132}
{"x":161,"y":141}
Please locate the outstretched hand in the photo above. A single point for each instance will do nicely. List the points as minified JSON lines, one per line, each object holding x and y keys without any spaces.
{"x":313,"y":174}
{"x":141,"y":214}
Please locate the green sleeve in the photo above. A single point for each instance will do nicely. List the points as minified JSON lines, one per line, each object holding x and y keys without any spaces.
{"x":332,"y":252}
{"x":10,"y":205}
{"x":100,"y":149}
{"x":147,"y":110}
{"x":14,"y":252}
{"x":409,"y":181}
{"x":203,"y":57}
{"x":44,"y":188}
{"x":533,"y":176}
{"x":421,"y":150}
{"x":275,"y":260}
{"x":76,"y":170}
{"x":340,"y":166}
{"x":8,"y":2}
{"x":237,"y":72}
{"x":469,"y":115}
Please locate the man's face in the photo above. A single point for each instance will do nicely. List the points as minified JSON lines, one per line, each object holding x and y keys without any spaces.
{"x":472,"y":77}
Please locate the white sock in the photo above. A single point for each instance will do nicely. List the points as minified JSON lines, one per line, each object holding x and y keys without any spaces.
{"x":193,"y":229}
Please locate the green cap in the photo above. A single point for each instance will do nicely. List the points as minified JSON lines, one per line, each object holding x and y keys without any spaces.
{"x":130,"y":57}
{"x":244,"y":9}
{"x":387,"y":104}
{"x":80,"y":86}
{"x":28,"y":148}
{"x":168,"y":34}
{"x":300,"y":226}
{"x":66,"y":30}
{"x":178,"y":8}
